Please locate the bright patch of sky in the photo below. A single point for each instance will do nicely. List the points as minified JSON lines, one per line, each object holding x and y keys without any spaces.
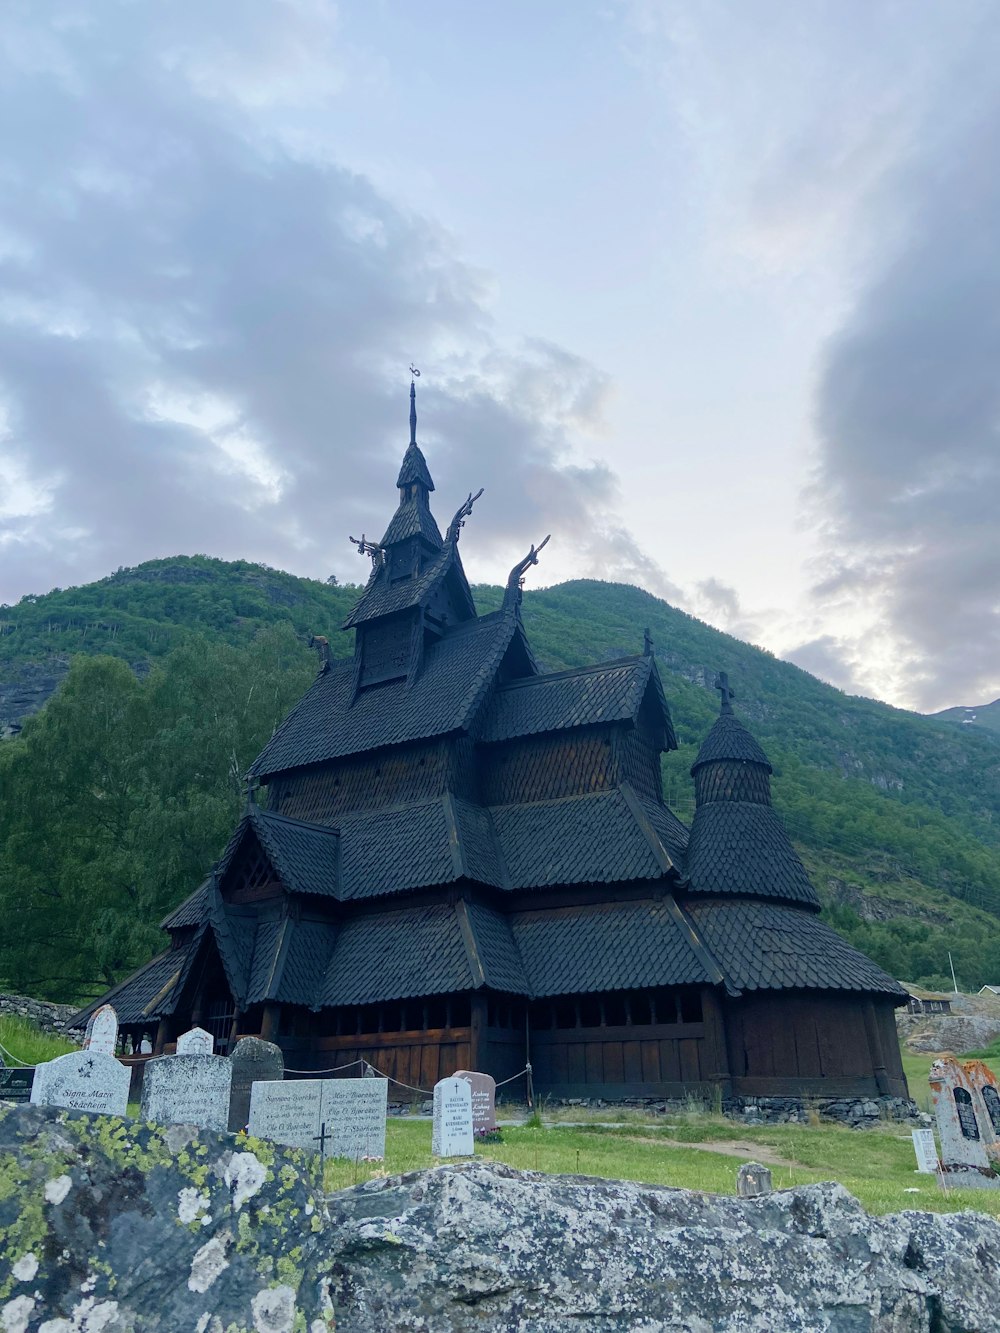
{"x":705,"y":289}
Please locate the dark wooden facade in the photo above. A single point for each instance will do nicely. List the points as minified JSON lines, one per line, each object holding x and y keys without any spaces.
{"x":456,"y":860}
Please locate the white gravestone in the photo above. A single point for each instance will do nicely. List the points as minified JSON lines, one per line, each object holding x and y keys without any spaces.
{"x":452,"y":1131}
{"x":187,"y":1090}
{"x":102,"y":1031}
{"x":292,"y":1112}
{"x":484,"y":1099}
{"x":196,"y":1041}
{"x":287,"y":1112}
{"x":354,"y":1112}
{"x":926,"y":1150}
{"x":83,"y":1081}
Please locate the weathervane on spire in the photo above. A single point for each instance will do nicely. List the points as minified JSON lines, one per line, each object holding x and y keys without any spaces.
{"x":414,"y":376}
{"x":722,"y":685}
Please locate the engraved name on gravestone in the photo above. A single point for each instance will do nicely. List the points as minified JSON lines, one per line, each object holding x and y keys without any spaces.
{"x":982,"y":1085}
{"x":287,"y":1112}
{"x":963,"y":1151}
{"x":102,"y":1031}
{"x":926,"y":1150}
{"x":253,"y":1061}
{"x":451,"y":1135}
{"x":15,"y":1084}
{"x":196,"y":1041}
{"x":187,"y":1090}
{"x":83,"y":1081}
{"x":354,"y":1111}
{"x":484,"y":1099}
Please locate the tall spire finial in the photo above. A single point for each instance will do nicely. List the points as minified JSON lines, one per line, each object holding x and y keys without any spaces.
{"x":414,"y":376}
{"x":722,"y":685}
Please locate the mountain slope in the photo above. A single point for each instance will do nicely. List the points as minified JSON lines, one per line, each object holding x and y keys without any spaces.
{"x":897,"y":815}
{"x":984,"y":715}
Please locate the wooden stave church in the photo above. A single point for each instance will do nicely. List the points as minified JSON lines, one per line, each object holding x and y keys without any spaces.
{"x":465,"y":862}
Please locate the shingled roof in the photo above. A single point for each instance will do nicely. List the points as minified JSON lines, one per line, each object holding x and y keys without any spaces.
{"x":398,"y":955}
{"x":614,"y":947}
{"x":412,"y":519}
{"x":414,"y":468}
{"x":190,"y":911}
{"x":740,"y":847}
{"x":764,"y":946}
{"x":607,"y":692}
{"x":729,"y":739}
{"x":135,"y":998}
{"x":304,"y":855}
{"x":328,"y":723}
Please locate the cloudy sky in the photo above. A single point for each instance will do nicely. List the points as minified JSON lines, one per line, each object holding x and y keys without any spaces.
{"x":707,"y":288}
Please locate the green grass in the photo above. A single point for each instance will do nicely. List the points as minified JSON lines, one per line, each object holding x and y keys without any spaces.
{"x":26,"y":1043}
{"x":877,"y":1165}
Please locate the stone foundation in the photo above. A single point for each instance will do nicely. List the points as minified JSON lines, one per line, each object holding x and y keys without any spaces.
{"x":858,"y":1112}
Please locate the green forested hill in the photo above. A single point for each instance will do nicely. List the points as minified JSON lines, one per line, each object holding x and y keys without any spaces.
{"x":119,"y":793}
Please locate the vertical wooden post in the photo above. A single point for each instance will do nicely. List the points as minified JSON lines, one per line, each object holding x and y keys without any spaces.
{"x":269,"y":1022}
{"x":716,"y":1068}
{"x":162,"y":1036}
{"x":478,"y":1040}
{"x":875,"y":1048}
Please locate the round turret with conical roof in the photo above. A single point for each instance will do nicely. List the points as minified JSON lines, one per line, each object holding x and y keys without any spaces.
{"x":738,"y":844}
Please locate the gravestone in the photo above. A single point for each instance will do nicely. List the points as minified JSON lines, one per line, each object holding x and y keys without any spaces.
{"x":926,"y":1150}
{"x":15,"y":1084}
{"x":187,"y":1090}
{"x":102,"y":1031}
{"x":287,"y":1112}
{"x":983,"y":1086}
{"x":83,"y":1081}
{"x":484,"y":1100}
{"x":753,"y":1181}
{"x":293,"y":1112}
{"x":964,"y":1157}
{"x":196,"y":1042}
{"x":354,"y":1112}
{"x":253,"y":1061}
{"x":452,"y":1129}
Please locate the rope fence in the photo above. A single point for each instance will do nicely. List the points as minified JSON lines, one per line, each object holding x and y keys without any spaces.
{"x":410,"y":1087}
{"x":24,"y":1064}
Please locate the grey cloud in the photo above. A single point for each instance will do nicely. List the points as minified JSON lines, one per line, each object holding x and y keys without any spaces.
{"x":909,"y":406}
{"x":161,"y":249}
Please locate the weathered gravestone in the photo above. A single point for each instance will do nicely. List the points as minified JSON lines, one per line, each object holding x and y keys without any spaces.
{"x":196,"y":1042}
{"x":253,"y":1061}
{"x":964,"y":1156}
{"x":187,"y":1090}
{"x":484,"y":1100}
{"x":15,"y":1084}
{"x":926,"y":1150}
{"x":293,"y":1112}
{"x":983,"y":1085}
{"x":753,"y":1181}
{"x":451,"y":1135}
{"x":102,"y":1031}
{"x":83,"y":1081}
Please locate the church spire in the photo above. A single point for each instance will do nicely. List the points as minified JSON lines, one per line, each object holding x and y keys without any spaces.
{"x":414,"y":472}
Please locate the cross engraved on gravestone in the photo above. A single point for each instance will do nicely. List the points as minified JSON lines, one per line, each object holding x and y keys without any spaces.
{"x":187,"y":1090}
{"x":83,"y":1081}
{"x":924,"y":1147}
{"x":452,"y":1125}
{"x":102,"y":1031}
{"x":254,"y":1061}
{"x":484,"y":1095}
{"x":753,"y":1181}
{"x":196,"y":1042}
{"x":353,"y":1110}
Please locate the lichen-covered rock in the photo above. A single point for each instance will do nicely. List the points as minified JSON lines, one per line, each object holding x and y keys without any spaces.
{"x":114,"y":1226}
{"x":108,"y":1225}
{"x":476,"y":1247}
